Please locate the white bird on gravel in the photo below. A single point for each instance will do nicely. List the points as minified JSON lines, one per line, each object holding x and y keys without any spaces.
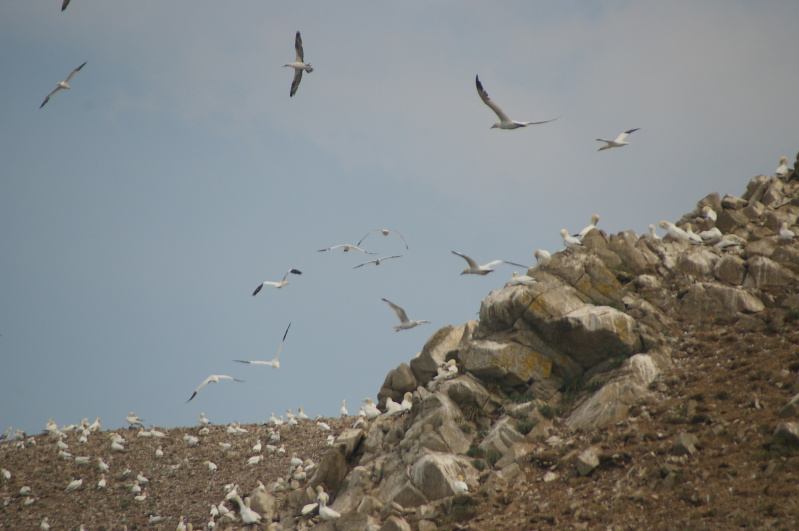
{"x":248,"y":516}
{"x":504,"y":121}
{"x":275,"y":362}
{"x":254,"y":460}
{"x":191,"y":440}
{"x":102,"y":465}
{"x":117,"y":447}
{"x":405,"y":323}
{"x":370,"y":409}
{"x":301,"y":414}
{"x":135,"y":488}
{"x":618,"y":141}
{"x":102,"y":483}
{"x":323,"y":426}
{"x":45,"y":525}
{"x":73,"y":485}
{"x":326,"y":513}
{"x":343,"y":411}
{"x":6,"y":474}
{"x":278,"y":285}
{"x":203,"y":419}
{"x":384,"y":232}
{"x":133,"y":420}
{"x":476,"y":269}
{"x":258,"y":446}
{"x":214,"y":378}
{"x":159,"y":452}
{"x":211,"y":465}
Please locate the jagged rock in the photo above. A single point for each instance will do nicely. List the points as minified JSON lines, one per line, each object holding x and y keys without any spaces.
{"x":443,"y":417}
{"x":427,"y":525}
{"x":729,"y":220}
{"x":610,"y":403}
{"x":754,"y":210}
{"x":370,"y":505}
{"x":787,"y":433}
{"x":511,"y":363}
{"x":350,"y":439}
{"x":763,"y":247}
{"x":467,"y":392}
{"x":732,"y":202}
{"x":264,"y":503}
{"x":352,"y":490}
{"x":588,"y":461}
{"x":791,"y":408}
{"x":786,"y":255}
{"x":434,"y":473}
{"x":696,"y":261}
{"x":708,"y":301}
{"x":509,"y":472}
{"x":332,"y":469}
{"x":395,"y":523}
{"x":353,"y":521}
{"x":501,"y":436}
{"x":516,"y":453}
{"x":684,"y":444}
{"x":730,"y":269}
{"x":407,"y":495}
{"x":424,"y":366}
{"x":762,"y":272}
{"x":647,"y":282}
{"x":398,"y":382}
{"x":637,"y":258}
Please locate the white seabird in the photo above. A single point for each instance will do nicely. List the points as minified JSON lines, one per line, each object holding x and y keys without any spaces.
{"x":674,"y":231}
{"x":343,"y":411}
{"x":275,"y":362}
{"x":203,"y":419}
{"x":62,"y":84}
{"x":504,"y":122}
{"x":542,"y":258}
{"x":710,"y":236}
{"x":405,"y":323}
{"x":278,"y":285}
{"x":618,"y":141}
{"x":346,"y":247}
{"x":133,"y":420}
{"x":786,"y":233}
{"x":214,"y":378}
{"x":377,"y":261}
{"x":569,"y":241}
{"x":520,"y":280}
{"x":299,"y":65}
{"x":588,"y":228}
{"x":460,"y":486}
{"x":384,"y":232}
{"x":729,"y":240}
{"x":709,"y":213}
{"x":782,"y":169}
{"x":370,"y":409}
{"x":475,"y":269}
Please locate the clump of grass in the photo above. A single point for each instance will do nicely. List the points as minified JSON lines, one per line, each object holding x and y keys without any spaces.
{"x":595,"y":385}
{"x":571,"y":388}
{"x":493,"y":456}
{"x":466,"y":428}
{"x":721,"y":394}
{"x":520,"y":398}
{"x":479,"y":464}
{"x":525,"y":427}
{"x":547,"y":411}
{"x":475,"y":451}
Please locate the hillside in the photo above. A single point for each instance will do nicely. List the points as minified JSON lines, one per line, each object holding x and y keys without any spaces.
{"x":637,"y":383}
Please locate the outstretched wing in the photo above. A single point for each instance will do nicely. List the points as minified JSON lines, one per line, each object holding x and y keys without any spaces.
{"x":298,"y":49}
{"x":488,"y":101}
{"x":403,"y":317}
{"x":74,"y":71}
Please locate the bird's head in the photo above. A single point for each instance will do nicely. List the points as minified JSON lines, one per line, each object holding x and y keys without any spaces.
{"x":497,"y":125}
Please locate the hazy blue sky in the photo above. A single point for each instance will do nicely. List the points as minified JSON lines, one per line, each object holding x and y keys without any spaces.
{"x":139,"y":210}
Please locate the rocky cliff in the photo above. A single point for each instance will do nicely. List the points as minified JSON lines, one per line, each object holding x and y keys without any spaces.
{"x":637,"y":381}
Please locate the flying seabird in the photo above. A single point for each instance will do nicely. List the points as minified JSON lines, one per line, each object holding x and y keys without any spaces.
{"x":346,"y":247}
{"x":569,"y":241}
{"x":504,"y":122}
{"x":62,"y":84}
{"x":64,"y":4}
{"x":275,"y":363}
{"x":212,"y":379}
{"x":278,"y":285}
{"x":782,"y":169}
{"x":475,"y":269}
{"x":619,"y":140}
{"x":405,"y":323}
{"x":384,"y":232}
{"x":377,"y":261}
{"x":298,"y":65}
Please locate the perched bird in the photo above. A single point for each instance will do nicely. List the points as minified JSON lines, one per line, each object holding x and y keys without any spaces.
{"x":278,"y":285}
{"x":102,"y":465}
{"x":248,"y":516}
{"x":133,"y":420}
{"x":782,"y":169}
{"x":377,"y":261}
{"x":504,"y":122}
{"x":135,"y":488}
{"x":117,"y":446}
{"x":475,"y":269}
{"x":728,"y":241}
{"x":159,"y":452}
{"x":181,"y":525}
{"x":325,"y":512}
{"x":618,"y":141}
{"x":674,"y":231}
{"x":62,"y":84}
{"x":692,"y":236}
{"x":709,"y":213}
{"x":301,"y":414}
{"x":191,"y":440}
{"x":74,"y":485}
{"x":384,"y":232}
{"x":257,"y":447}
{"x":370,"y":409}
{"x":710,"y":236}
{"x":785,"y":233}
{"x":569,"y":241}
{"x":45,"y":525}
{"x":6,"y":474}
{"x":254,"y":460}
{"x":324,"y":426}
{"x":460,"y":486}
{"x":405,"y":323}
{"x":275,"y":362}
{"x":407,"y":402}
{"x":343,"y":411}
{"x":203,"y":419}
{"x":102,"y":483}
{"x":520,"y":280}
{"x":392,"y":408}
{"x":588,"y":228}
{"x":652,"y":232}
{"x":299,"y":65}
{"x":142,"y":479}
{"x":212,"y":379}
{"x":154,"y":519}
{"x":346,"y":247}
{"x":542,"y":258}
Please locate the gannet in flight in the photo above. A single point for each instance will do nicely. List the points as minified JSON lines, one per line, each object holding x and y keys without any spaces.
{"x":346,"y":247}
{"x":618,"y":141}
{"x":62,"y":84}
{"x":278,"y":285}
{"x":504,"y":122}
{"x":475,"y":269}
{"x":275,"y":363}
{"x":377,"y":261}
{"x":384,"y":232}
{"x":405,"y":323}
{"x":298,"y":65}
{"x":212,"y":379}
{"x":64,"y":4}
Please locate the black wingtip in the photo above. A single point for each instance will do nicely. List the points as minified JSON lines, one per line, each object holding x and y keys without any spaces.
{"x":295,"y":271}
{"x":254,"y":293}
{"x":286,"y":332}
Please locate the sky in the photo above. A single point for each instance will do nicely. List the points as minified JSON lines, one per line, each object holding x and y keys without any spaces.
{"x":141,"y":208}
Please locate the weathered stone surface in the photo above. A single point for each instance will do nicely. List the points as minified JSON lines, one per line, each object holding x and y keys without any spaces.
{"x":707,"y":301}
{"x":408,"y":495}
{"x":786,"y":255}
{"x":763,"y":247}
{"x":501,"y":436}
{"x":696,"y":261}
{"x":434,"y":473}
{"x":730,"y":269}
{"x":396,"y":523}
{"x":466,"y":391}
{"x":754,"y":210}
{"x":350,"y":439}
{"x":512,"y":363}
{"x":332,"y":469}
{"x":791,"y":408}
{"x":434,"y":352}
{"x":588,"y":461}
{"x":427,"y":525}
{"x":763,"y":272}
{"x":729,"y":220}
{"x":516,"y":453}
{"x":592,"y":334}
{"x":352,"y":521}
{"x":787,"y":433}
{"x":264,"y":503}
{"x":684,"y":444}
